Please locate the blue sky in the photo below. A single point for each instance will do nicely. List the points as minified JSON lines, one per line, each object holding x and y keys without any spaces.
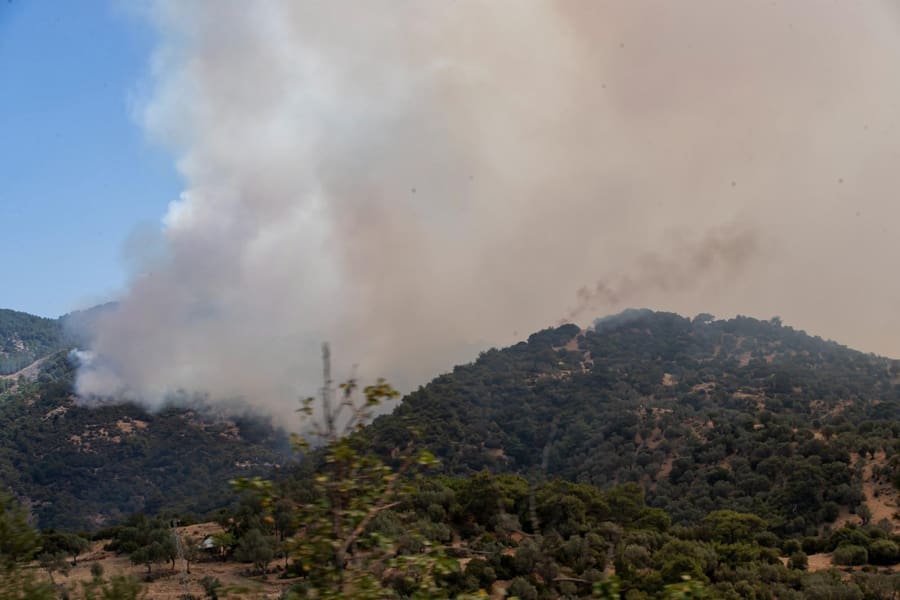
{"x":77,"y":174}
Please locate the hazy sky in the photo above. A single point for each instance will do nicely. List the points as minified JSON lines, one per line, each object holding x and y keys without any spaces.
{"x":77,"y":174}
{"x":415,"y":181}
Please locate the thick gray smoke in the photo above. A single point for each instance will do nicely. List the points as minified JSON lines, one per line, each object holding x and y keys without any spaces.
{"x":414,"y":181}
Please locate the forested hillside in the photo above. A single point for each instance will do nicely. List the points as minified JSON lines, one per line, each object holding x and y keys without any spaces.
{"x":740,"y":414}
{"x":81,"y":468}
{"x":24,"y":338}
{"x":650,"y":456}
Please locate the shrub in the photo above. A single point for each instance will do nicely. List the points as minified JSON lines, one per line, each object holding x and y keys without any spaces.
{"x":850,"y":555}
{"x":798,"y":560}
{"x":520,"y":588}
{"x":884,"y":552}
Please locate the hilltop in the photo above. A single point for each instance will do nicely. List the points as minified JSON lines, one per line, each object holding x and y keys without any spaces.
{"x":705,"y":414}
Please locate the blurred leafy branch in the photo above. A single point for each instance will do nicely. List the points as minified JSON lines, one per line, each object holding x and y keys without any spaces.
{"x":339,"y":555}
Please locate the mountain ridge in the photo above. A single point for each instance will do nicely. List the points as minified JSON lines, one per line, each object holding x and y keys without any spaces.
{"x":705,"y":414}
{"x":26,"y":338}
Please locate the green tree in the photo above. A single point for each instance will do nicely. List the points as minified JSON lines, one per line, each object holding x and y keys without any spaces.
{"x":54,"y":562}
{"x":147,"y":542}
{"x":864,"y":513}
{"x":191,"y":551}
{"x":19,"y":543}
{"x":884,"y":552}
{"x":521,"y":588}
{"x":798,"y":560}
{"x":334,"y":544}
{"x":850,"y":555}
{"x":18,"y":540}
{"x":256,"y":548}
{"x":222,"y":544}
{"x":731,"y":527}
{"x":69,"y":543}
{"x":160,"y":548}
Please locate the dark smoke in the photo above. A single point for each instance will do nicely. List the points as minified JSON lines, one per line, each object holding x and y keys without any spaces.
{"x":718,"y":258}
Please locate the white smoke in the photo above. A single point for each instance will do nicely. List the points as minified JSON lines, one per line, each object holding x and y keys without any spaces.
{"x":414,"y":181}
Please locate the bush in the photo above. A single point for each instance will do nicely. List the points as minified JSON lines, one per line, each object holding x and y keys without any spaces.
{"x":520,"y":588}
{"x":850,"y":555}
{"x":884,"y":552}
{"x":814,"y":545}
{"x":481,"y":571}
{"x":211,"y":587}
{"x":256,"y":548}
{"x":798,"y":560}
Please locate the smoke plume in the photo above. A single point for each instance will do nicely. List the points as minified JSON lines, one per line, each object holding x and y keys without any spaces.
{"x":415,"y":181}
{"x":716,"y":259}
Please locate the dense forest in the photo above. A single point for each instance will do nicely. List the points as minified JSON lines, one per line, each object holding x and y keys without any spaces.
{"x":82,"y":468}
{"x":25,"y":338}
{"x":649,"y":456}
{"x":740,"y":414}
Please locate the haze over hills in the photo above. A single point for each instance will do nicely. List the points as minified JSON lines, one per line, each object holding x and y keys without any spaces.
{"x":649,"y":445}
{"x":26,"y":338}
{"x":704,"y":414}
{"x":80,"y":467}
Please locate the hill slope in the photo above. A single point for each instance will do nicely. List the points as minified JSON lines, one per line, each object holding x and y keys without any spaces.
{"x":24,"y":338}
{"x":80,"y":468}
{"x":742,"y":414}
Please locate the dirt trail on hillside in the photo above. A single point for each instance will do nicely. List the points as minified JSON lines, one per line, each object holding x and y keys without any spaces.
{"x":881,"y":497}
{"x":30,"y":372}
